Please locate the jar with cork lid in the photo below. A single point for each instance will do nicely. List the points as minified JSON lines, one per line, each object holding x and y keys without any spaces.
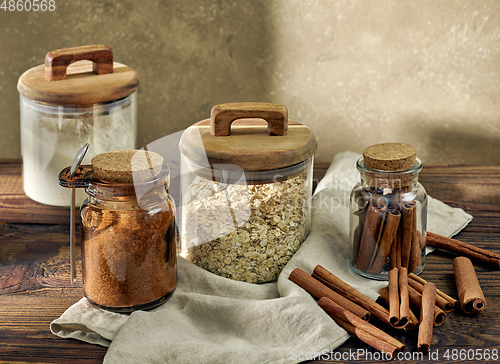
{"x":388,"y":212}
{"x":128,"y":230}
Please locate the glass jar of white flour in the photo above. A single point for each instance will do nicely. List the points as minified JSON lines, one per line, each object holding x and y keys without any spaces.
{"x":65,"y":105}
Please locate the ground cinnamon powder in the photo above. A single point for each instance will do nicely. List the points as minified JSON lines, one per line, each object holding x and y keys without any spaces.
{"x":128,"y":256}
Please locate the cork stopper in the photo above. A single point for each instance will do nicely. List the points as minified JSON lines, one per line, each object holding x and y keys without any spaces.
{"x":390,"y":156}
{"x":127,"y":166}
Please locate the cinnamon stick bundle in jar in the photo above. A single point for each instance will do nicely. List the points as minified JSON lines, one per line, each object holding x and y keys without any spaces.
{"x":470,"y":295}
{"x":388,"y":212}
{"x":372,"y":224}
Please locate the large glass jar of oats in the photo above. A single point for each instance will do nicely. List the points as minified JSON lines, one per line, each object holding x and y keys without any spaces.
{"x":128,"y":230}
{"x":246,"y":183}
{"x":65,"y":105}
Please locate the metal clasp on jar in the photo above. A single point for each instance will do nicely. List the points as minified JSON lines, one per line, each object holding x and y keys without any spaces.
{"x":82,"y":178}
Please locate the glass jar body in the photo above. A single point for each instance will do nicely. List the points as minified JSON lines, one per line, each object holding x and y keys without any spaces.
{"x":51,"y":135}
{"x":128,"y":248}
{"x":244,"y":225}
{"x":388,"y":222}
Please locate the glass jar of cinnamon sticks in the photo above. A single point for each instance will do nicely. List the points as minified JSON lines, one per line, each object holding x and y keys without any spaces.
{"x":388,"y":212}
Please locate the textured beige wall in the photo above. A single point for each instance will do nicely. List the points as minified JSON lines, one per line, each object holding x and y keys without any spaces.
{"x":357,"y":72}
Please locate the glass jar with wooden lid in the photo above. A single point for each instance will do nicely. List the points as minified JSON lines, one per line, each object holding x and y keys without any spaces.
{"x":246,"y":183}
{"x":388,"y":214}
{"x":78,"y":96}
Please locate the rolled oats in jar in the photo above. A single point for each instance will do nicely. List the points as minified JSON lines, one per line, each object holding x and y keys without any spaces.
{"x":245,"y":190}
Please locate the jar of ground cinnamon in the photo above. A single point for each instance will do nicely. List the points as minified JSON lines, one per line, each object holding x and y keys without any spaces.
{"x":128,"y":231}
{"x":388,"y":212}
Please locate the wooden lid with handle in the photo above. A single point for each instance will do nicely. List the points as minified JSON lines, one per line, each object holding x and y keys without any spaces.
{"x":251,"y":135}
{"x":95,"y":79}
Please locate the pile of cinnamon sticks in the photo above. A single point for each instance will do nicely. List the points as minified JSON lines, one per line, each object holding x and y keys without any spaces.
{"x":406,"y":292}
{"x":352,"y":311}
{"x":404,"y":289}
{"x":387,"y":228}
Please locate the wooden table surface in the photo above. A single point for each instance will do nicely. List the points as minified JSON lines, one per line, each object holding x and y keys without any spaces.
{"x":35,"y":286}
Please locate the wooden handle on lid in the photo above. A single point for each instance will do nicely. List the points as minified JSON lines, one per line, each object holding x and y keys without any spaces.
{"x":56,"y":62}
{"x":223,"y":115}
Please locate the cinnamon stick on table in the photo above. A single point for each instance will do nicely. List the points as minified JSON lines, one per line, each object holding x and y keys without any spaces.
{"x":319,"y":290}
{"x":456,"y":246}
{"x":393,"y":297}
{"x":470,"y":295}
{"x":416,"y":301}
{"x":417,"y":283}
{"x":404,"y":304}
{"x":427,"y":317}
{"x":366,"y":332}
{"x":413,"y":322}
{"x":448,"y":305}
{"x":338,"y":285}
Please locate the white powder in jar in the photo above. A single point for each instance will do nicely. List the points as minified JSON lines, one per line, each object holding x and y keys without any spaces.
{"x":52,"y":135}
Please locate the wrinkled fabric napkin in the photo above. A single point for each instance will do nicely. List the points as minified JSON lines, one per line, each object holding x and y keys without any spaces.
{"x":211,"y":319}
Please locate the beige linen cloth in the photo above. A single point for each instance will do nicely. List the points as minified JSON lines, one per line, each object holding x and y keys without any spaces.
{"x":211,"y":319}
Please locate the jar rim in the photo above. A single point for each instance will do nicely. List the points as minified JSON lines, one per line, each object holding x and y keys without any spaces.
{"x":76,"y":110}
{"x":234,"y":174}
{"x":146,"y":193}
{"x":415,"y":169}
{"x":84,"y":179}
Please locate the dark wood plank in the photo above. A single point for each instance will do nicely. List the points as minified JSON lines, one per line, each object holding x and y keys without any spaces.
{"x":16,"y":207}
{"x":469,"y":187}
{"x":35,"y":287}
{"x":477,"y":190}
{"x":34,"y":256}
{"x":25,"y":335}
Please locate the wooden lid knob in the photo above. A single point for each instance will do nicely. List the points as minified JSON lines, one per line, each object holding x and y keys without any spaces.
{"x":390,"y":156}
{"x":253,"y":136}
{"x":127,"y":166}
